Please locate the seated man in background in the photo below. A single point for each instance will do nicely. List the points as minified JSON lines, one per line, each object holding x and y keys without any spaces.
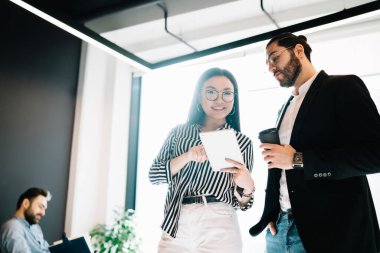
{"x":21,"y":233}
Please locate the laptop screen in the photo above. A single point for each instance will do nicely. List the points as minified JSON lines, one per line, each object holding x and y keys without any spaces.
{"x":78,"y":245}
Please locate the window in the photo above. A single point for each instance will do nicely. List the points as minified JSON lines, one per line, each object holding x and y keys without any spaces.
{"x":166,"y":97}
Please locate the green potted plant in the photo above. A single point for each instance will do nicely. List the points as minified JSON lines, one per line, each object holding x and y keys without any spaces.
{"x":120,"y":237}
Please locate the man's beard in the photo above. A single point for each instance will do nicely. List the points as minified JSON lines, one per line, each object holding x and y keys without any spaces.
{"x":30,"y":217}
{"x":291,"y":71}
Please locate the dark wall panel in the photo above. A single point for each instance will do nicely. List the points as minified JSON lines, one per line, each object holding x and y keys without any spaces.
{"x":39,"y":66}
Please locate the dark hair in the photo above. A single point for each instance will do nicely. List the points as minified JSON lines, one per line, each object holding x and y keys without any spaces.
{"x":196,"y":113}
{"x":291,"y":40}
{"x":32,"y":193}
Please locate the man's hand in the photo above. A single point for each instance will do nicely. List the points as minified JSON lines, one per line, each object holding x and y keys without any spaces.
{"x":278,"y":156}
{"x":272,"y":228}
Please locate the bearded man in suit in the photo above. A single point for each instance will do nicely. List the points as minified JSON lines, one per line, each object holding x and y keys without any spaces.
{"x":318,"y":198}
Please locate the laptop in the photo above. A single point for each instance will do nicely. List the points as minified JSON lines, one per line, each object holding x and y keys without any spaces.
{"x":77,"y":245}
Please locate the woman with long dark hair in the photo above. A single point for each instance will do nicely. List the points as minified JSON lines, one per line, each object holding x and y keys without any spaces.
{"x":200,"y":204}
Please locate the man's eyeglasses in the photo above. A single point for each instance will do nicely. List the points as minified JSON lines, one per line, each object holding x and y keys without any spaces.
{"x":273,"y":58}
{"x":212,"y":95}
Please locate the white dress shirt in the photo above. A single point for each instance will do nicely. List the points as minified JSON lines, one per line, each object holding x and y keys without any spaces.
{"x":285,"y":133}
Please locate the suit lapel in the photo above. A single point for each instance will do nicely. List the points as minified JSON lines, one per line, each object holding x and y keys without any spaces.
{"x":282,"y":112}
{"x":305,"y":106}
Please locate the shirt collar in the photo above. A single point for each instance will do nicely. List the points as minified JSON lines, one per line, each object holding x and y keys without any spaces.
{"x":23,"y":222}
{"x":225,"y":126}
{"x":305,"y":86}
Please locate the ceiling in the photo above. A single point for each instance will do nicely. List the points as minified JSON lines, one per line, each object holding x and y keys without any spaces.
{"x":158,"y":33}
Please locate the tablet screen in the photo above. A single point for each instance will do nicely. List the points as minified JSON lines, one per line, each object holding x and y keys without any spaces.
{"x":220,"y":145}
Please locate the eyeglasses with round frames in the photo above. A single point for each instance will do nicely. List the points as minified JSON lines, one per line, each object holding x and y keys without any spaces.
{"x":212,"y":95}
{"x":274,"y":57}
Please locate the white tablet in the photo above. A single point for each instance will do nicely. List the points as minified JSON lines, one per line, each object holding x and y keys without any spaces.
{"x":220,"y":145}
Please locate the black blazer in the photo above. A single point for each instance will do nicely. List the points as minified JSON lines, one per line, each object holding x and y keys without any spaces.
{"x":338,"y":130}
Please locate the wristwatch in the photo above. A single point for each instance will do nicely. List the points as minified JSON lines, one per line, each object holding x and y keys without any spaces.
{"x":297,"y":160}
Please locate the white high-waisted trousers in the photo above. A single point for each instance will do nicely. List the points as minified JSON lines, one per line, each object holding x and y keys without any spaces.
{"x":204,"y":228}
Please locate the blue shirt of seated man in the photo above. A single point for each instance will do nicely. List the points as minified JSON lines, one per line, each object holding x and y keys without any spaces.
{"x":21,"y":233}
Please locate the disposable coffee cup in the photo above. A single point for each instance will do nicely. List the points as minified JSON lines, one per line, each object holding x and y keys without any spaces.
{"x":269,"y":136}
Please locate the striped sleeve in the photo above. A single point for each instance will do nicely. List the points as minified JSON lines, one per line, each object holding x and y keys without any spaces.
{"x":160,"y":171}
{"x":248,"y":158}
{"x":246,"y":148}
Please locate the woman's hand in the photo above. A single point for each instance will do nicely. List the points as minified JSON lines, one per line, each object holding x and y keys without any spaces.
{"x":241,"y":175}
{"x":197,"y":154}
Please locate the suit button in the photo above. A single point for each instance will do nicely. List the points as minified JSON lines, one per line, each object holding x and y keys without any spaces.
{"x":315,"y":175}
{"x":320,"y":174}
{"x":324,"y":174}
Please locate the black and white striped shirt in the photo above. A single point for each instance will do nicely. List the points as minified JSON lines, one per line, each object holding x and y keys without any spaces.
{"x":194,"y":178}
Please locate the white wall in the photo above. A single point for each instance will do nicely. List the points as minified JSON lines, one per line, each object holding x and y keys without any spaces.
{"x":97,"y":179}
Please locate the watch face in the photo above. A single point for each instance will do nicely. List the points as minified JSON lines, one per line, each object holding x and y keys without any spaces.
{"x":298,"y":160}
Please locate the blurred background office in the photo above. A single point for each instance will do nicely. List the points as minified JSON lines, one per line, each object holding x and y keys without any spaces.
{"x":89,"y":92}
